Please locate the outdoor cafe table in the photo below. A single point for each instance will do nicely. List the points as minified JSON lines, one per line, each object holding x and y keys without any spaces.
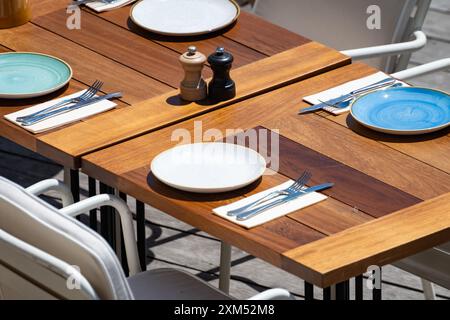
{"x":391,"y":197}
{"x":397,"y":173}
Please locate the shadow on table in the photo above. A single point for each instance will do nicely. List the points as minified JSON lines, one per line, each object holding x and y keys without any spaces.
{"x":374,"y":135}
{"x":32,"y":101}
{"x":169,"y":192}
{"x":181,"y":39}
{"x":177,"y":101}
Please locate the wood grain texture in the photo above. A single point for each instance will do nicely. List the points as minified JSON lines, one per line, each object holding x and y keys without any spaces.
{"x":253,"y":79}
{"x":119,"y":45}
{"x":206,"y":44}
{"x":86,"y":64}
{"x":267,"y":241}
{"x":257,"y":33}
{"x":259,"y":36}
{"x":352,"y":187}
{"x":432,"y":148}
{"x":379,"y":242}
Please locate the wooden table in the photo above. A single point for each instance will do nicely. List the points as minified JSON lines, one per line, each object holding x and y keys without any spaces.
{"x":143,"y":65}
{"x":391,"y":198}
{"x":274,"y":69}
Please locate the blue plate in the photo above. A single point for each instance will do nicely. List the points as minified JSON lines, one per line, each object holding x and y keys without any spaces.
{"x":403,"y":111}
{"x":27,"y":75}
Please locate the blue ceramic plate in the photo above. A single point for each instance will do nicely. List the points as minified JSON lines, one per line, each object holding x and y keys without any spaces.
{"x":403,"y":111}
{"x":27,"y":75}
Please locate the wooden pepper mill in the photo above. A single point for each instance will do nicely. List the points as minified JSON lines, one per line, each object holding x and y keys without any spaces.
{"x":221,"y":87}
{"x":193,"y":87}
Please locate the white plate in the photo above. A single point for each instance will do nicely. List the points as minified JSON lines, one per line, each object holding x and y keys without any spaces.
{"x":208,"y":167}
{"x":184,"y":17}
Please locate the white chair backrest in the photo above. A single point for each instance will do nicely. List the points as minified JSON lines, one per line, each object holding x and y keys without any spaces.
{"x":342,"y":24}
{"x":29,"y":273}
{"x":40,"y":225}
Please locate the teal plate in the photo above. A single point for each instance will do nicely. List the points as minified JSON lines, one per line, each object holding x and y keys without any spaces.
{"x":403,"y":111}
{"x":27,"y":75}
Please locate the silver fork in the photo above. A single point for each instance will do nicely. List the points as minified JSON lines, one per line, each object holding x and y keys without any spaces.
{"x":345,"y":103}
{"x":81,"y":2}
{"x":72,"y":107}
{"x":88,"y":94}
{"x":294,"y":187}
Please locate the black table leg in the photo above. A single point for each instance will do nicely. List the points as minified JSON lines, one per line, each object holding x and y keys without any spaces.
{"x":359,"y":287}
{"x":107,"y":222}
{"x":74,"y":176}
{"x":141,"y":241}
{"x":75,"y":184}
{"x":327,"y":293}
{"x":309,"y":291}
{"x":343,"y":290}
{"x":377,"y":283}
{"x":93,"y":212}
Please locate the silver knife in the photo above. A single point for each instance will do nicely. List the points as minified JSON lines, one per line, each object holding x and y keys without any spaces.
{"x":374,"y":86}
{"x":70,"y":108}
{"x":251,"y":213}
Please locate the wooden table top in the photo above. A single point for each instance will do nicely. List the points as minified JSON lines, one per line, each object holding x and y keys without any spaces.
{"x":391,"y":198}
{"x":142,"y":65}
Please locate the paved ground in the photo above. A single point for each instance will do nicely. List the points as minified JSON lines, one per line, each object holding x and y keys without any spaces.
{"x":175,"y":244}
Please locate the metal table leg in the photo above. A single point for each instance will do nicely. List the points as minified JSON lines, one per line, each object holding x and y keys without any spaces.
{"x":141,"y":240}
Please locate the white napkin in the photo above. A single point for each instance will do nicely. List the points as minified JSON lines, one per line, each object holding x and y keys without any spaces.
{"x":61,"y":119}
{"x":101,"y":6}
{"x":271,"y":214}
{"x":345,"y":89}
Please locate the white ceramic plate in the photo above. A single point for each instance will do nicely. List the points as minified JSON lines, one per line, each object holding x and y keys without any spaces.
{"x":208,"y":167}
{"x":184,"y":17}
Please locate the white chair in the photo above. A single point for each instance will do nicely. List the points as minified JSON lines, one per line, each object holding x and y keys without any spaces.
{"x":343,"y":25}
{"x":47,"y":254}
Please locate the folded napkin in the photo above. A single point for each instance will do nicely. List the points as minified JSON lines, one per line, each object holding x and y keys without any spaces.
{"x":61,"y":119}
{"x":345,"y":89}
{"x":100,"y":6}
{"x":271,"y":214}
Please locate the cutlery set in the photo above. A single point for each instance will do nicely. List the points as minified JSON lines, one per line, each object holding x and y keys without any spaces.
{"x":87,"y":98}
{"x":345,"y":100}
{"x":295,"y":190}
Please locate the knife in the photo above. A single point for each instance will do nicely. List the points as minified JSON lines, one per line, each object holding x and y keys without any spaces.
{"x":374,"y":86}
{"x":251,"y":213}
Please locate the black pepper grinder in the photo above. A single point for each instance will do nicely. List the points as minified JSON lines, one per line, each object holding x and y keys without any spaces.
{"x":221,"y":87}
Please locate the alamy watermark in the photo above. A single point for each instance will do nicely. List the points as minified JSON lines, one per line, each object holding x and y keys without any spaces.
{"x":73,"y":279}
{"x":73,"y":21}
{"x":265,"y":141}
{"x":374,"y":20}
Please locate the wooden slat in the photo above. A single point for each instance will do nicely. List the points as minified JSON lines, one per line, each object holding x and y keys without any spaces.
{"x":432,"y":148}
{"x":119,"y":45}
{"x":261,"y":76}
{"x":257,"y":33}
{"x":382,"y":241}
{"x":352,"y":187}
{"x":43,"y":7}
{"x":206,"y":44}
{"x":267,"y":241}
{"x":87,"y":65}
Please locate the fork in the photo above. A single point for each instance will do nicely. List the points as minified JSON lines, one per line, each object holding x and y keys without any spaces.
{"x":81,"y":2}
{"x":69,"y":108}
{"x":294,"y":187}
{"x":345,"y":103}
{"x":88,"y":94}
